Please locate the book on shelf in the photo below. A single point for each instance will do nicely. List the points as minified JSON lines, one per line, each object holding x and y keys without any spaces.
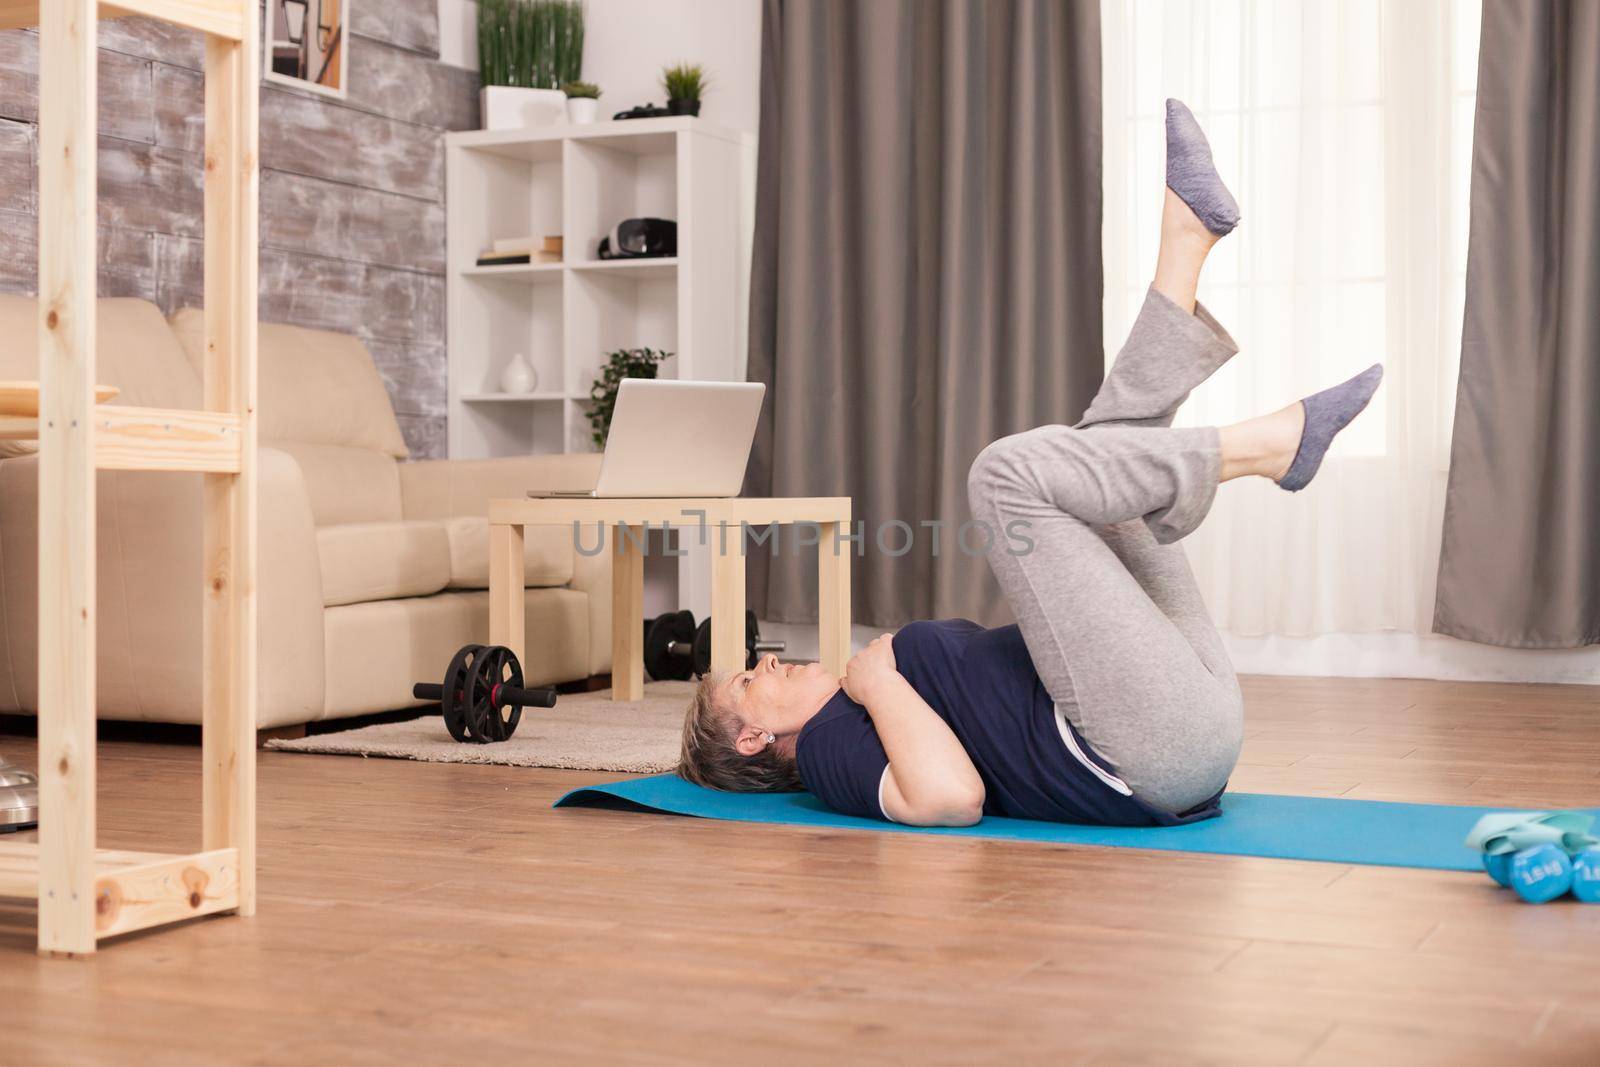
{"x":527,"y":245}
{"x":490,"y":258}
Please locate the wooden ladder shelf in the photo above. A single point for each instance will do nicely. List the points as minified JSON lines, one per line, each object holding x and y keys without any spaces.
{"x":87,"y":893}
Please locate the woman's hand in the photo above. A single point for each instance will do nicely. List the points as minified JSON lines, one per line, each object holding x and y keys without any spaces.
{"x":870,"y":670}
{"x":930,"y":780}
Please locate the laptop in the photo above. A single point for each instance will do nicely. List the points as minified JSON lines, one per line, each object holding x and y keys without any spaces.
{"x":672,"y":438}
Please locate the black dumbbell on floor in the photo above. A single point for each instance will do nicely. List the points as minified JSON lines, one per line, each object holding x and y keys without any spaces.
{"x":482,"y":696}
{"x":675,"y":649}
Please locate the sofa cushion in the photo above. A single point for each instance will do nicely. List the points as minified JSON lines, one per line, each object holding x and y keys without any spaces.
{"x":347,"y":484}
{"x":546,"y":554}
{"x":314,"y":386}
{"x":135,"y":351}
{"x":368,"y":561}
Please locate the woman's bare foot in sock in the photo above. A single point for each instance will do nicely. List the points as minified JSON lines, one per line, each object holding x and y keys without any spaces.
{"x":1264,"y":446}
{"x":1288,"y":445}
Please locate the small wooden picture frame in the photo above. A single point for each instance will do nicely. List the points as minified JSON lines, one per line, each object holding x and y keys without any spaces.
{"x":308,"y":44}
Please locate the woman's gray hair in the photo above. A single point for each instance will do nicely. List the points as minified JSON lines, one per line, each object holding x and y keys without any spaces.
{"x":710,"y":757}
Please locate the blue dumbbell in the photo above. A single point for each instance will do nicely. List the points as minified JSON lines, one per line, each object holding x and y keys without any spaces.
{"x":1541,"y":873}
{"x":1499,"y":867}
{"x":1586,"y":875}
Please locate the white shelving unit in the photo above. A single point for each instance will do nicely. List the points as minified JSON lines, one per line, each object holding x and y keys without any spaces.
{"x":579,"y":181}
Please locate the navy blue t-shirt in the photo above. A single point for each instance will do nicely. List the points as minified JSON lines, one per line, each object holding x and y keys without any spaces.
{"x":983,"y":683}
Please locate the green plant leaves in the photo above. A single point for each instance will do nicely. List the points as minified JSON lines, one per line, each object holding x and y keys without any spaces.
{"x":534,"y":44}
{"x":686,"y":81}
{"x":623,"y":363}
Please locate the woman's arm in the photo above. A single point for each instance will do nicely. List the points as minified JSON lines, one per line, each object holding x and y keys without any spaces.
{"x":930,"y":780}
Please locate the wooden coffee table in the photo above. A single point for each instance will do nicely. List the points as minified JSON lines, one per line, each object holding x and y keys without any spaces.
{"x":625,"y":519}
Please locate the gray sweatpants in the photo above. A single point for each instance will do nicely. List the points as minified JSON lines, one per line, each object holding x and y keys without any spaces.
{"x":1105,"y":599}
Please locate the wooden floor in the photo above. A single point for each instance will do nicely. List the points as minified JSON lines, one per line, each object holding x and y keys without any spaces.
{"x":417,"y":913}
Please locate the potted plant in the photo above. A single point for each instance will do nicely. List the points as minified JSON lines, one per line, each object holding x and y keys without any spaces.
{"x":583,"y":100}
{"x":685,"y":85}
{"x":527,"y":50}
{"x":623,"y":363}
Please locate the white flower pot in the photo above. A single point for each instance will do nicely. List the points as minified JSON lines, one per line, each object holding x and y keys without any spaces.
{"x":582,"y":109}
{"x":509,"y":107}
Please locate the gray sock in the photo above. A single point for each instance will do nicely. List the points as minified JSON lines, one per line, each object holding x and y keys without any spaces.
{"x":1327,"y":413}
{"x":1193,"y":176}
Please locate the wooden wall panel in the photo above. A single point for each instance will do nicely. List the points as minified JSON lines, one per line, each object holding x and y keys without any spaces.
{"x":337,"y":221}
{"x":410,"y":24}
{"x":19,"y":173}
{"x":303,"y":134}
{"x":127,"y":258}
{"x":126,"y":108}
{"x":390,"y":81}
{"x":147,"y":187}
{"x":352,"y":191}
{"x":154,"y":39}
{"x":415,"y":374}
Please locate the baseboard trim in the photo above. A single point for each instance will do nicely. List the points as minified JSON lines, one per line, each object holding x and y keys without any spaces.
{"x":1403,"y":655}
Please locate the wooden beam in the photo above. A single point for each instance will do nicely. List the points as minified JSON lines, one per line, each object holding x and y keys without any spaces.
{"x":507,"y":598}
{"x":727,"y":598}
{"x":228,"y":674}
{"x":15,"y":853}
{"x":219,"y":18}
{"x":128,"y":898}
{"x":627,"y":612}
{"x":222,"y":17}
{"x":157,"y":439}
{"x":19,"y":865}
{"x":833,"y":597}
{"x":67,"y":258}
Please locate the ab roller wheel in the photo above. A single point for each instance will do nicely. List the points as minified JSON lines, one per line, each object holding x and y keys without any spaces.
{"x":482,"y":696}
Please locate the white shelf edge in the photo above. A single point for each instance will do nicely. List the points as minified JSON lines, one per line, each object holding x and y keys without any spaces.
{"x":646,"y":265}
{"x":605,"y":129}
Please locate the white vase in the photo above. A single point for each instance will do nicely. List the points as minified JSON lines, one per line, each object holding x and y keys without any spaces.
{"x":582,"y":109}
{"x":519,"y":378}
{"x":510,"y":107}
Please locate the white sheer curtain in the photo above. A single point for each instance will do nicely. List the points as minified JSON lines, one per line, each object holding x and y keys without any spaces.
{"x":1344,"y":129}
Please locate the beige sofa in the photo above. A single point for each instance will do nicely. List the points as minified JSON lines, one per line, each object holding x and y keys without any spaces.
{"x":372,"y":571}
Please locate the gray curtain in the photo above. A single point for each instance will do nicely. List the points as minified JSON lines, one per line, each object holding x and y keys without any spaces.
{"x":926,"y":274}
{"x":1520,"y":563}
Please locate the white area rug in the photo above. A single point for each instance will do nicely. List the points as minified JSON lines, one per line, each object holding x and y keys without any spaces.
{"x":583,"y":732}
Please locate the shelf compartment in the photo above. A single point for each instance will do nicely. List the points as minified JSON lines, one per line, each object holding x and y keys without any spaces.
{"x":606,"y":183}
{"x":136,"y":890}
{"x":608,"y":309}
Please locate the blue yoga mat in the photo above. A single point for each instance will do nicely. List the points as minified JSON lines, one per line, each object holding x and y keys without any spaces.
{"x":1376,"y":832}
